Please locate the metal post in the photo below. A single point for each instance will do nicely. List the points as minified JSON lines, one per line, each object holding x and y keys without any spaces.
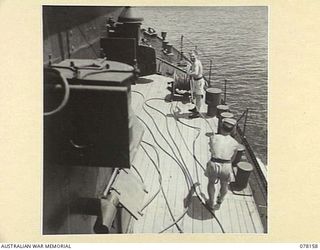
{"x":245,"y":121}
{"x":210,"y":73}
{"x":112,"y":178}
{"x":181,"y":47}
{"x":225,"y":91}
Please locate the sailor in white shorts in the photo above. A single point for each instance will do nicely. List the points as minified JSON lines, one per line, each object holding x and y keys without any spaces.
{"x":223,"y":149}
{"x":196,"y":73}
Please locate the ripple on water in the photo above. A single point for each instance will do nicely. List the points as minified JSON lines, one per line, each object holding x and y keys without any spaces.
{"x":236,"y":40}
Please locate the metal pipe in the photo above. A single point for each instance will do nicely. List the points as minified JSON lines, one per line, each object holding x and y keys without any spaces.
{"x":176,"y":67}
{"x":112,"y":178}
{"x":181,"y":47}
{"x":243,"y":113}
{"x":209,"y":81}
{"x":170,"y":64}
{"x":245,"y":121}
{"x":225,"y":90}
{"x":253,"y":157}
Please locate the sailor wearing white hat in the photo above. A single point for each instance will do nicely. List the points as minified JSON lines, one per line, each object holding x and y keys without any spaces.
{"x":223,"y":149}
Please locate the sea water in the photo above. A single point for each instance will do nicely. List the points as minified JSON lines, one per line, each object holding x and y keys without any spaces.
{"x":235,"y":39}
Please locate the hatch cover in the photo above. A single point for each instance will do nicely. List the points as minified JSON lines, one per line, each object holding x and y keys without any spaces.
{"x":131,"y":192}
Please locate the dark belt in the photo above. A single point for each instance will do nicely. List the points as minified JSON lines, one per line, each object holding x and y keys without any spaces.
{"x":219,"y":160}
{"x":197,"y":79}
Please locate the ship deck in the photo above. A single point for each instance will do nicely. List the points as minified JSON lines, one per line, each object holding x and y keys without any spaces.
{"x":174,"y":139}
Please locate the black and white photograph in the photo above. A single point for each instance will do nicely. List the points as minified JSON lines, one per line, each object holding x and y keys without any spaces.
{"x":155,"y":119}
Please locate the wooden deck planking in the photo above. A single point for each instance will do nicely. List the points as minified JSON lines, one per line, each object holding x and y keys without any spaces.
{"x":207,"y":224}
{"x":168,"y":171}
{"x":242,"y":224}
{"x":154,"y":186}
{"x":233,"y":215}
{"x":236,"y":214}
{"x":182,"y":192}
{"x":247,"y":217}
{"x":142,"y":222}
{"x":187,"y":221}
{"x":177,"y":210}
{"x":179,"y":196}
{"x":159,"y":208}
{"x":149,"y":173}
{"x":195,"y":209}
{"x":138,"y":225}
{"x":180,"y":185}
{"x":159,"y":202}
{"x":171,"y":172}
{"x":164,"y":216}
{"x":255,"y":217}
{"x":196,"y":212}
{"x":203,"y":159}
{"x":178,"y":199}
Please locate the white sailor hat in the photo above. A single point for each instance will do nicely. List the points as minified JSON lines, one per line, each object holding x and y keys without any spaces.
{"x":228,"y":123}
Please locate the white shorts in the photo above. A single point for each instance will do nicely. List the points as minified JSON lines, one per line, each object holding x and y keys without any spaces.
{"x":220,"y":171}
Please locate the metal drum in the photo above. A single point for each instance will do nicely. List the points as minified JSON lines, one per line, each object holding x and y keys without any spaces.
{"x":164,"y":44}
{"x":222,"y":108}
{"x":221,"y":117}
{"x":237,"y":159}
{"x":213,"y":99}
{"x":168,"y":48}
{"x":242,"y":177}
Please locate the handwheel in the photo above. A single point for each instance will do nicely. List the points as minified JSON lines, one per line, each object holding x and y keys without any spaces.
{"x":54,"y":84}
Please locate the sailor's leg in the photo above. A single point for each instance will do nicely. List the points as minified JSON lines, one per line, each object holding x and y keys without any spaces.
{"x":211,"y":191}
{"x":198,"y":102}
{"x":223,"y":191}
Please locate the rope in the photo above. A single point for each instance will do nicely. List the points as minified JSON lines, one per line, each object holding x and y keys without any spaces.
{"x":180,"y":217}
{"x":138,"y":173}
{"x":193,"y":154}
{"x":161,"y":187}
{"x":180,"y":164}
{"x":189,"y":176}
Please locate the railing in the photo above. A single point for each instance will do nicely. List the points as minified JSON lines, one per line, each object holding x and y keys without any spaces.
{"x":161,"y":62}
{"x":166,"y":68}
{"x":241,"y":132}
{"x":258,"y":179}
{"x":245,"y":115}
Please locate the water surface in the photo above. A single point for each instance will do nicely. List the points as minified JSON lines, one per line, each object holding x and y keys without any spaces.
{"x":236,"y":40}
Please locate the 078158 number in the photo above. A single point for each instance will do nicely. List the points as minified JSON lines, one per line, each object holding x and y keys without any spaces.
{"x":308,"y":245}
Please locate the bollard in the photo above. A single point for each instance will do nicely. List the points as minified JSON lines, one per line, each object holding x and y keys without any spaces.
{"x":164,"y":44}
{"x":222,"y":108}
{"x":244,"y":170}
{"x":168,"y":48}
{"x":213,"y":99}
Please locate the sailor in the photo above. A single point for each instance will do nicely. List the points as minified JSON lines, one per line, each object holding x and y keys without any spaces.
{"x":197,"y":83}
{"x":223,"y":150}
{"x":111,"y":23}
